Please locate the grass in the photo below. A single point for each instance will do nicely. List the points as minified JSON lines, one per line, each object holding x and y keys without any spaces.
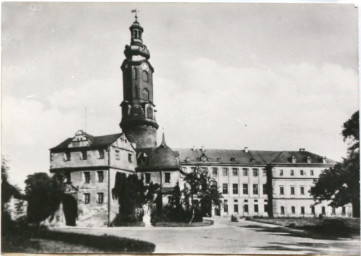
{"x":23,"y":238}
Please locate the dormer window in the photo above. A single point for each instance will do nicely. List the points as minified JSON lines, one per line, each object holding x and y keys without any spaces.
{"x":232,"y":159}
{"x":309,"y":160}
{"x":294,"y":159}
{"x":324,"y":160}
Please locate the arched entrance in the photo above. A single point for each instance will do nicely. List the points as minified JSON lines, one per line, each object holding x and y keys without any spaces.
{"x":70,"y":208}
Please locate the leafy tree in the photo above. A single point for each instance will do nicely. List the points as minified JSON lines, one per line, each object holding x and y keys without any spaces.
{"x":44,"y":195}
{"x":7,"y":190}
{"x":202,"y":188}
{"x":340,"y":184}
{"x":131,"y":194}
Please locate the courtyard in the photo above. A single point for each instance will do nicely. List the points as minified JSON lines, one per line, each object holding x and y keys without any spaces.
{"x":233,"y":237}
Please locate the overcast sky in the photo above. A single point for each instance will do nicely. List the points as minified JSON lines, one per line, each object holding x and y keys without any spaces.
{"x":266,"y":76}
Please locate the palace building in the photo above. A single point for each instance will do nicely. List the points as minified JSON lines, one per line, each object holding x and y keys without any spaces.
{"x":252,"y":182}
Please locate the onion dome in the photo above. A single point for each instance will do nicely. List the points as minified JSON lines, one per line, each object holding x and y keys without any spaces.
{"x":163,"y":158}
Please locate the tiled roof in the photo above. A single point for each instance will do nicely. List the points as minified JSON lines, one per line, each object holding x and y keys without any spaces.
{"x":262,"y":157}
{"x":95,"y":141}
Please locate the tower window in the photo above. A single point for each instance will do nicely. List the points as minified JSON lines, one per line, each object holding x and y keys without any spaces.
{"x":149,"y":113}
{"x":145,"y":94}
{"x":145,"y":76}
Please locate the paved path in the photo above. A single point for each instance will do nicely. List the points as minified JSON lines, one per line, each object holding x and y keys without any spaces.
{"x":228,"y":237}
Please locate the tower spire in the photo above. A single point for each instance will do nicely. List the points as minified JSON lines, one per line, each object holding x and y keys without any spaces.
{"x":136,"y":11}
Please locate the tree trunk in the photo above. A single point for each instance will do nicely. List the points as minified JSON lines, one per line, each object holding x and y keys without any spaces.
{"x":356,"y":208}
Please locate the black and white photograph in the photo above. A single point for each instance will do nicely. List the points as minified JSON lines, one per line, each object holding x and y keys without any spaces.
{"x":183,"y":127}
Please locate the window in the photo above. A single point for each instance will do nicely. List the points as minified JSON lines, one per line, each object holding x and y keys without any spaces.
{"x":292,"y":172}
{"x":225,"y":171}
{"x":235,"y":189}
{"x":145,"y":76}
{"x":293,"y":209}
{"x":255,"y":189}
{"x":87,"y":177}
{"x":264,"y":188}
{"x":68,"y":177}
{"x":86,"y":198}
{"x":282,"y":190}
{"x":101,"y":153}
{"x":264,"y":171}
{"x":245,"y":208}
{"x":149,"y":112}
{"x":145,"y":95}
{"x":245,"y":189}
{"x":255,"y":172}
{"x":215,"y":171}
{"x":135,"y":73}
{"x":343,"y":210}
{"x":302,"y":210}
{"x":333,"y":210}
{"x":100,"y":176}
{"x":147,"y":178}
{"x":281,"y":172}
{"x":302,"y":190}
{"x":84,"y":155}
{"x":225,"y":188}
{"x":225,"y":206}
{"x":323,"y":210}
{"x":256,"y":208}
{"x":312,"y":173}
{"x":167,"y":177}
{"x":117,"y":154}
{"x":232,"y":159}
{"x":234,"y":171}
{"x":100,"y":198}
{"x":67,"y":156}
{"x":282,"y":210}
{"x":235,"y":208}
{"x":265,"y":208}
{"x":312,"y":209}
{"x":130,"y":158}
{"x":302,"y":172}
{"x":292,"y":190}
{"x":245,"y":172}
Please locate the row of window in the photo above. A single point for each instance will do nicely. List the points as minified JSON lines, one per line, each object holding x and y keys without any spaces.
{"x":245,"y":207}
{"x":100,"y":198}
{"x":302,"y":173}
{"x":86,"y":175}
{"x":244,"y":189}
{"x":292,"y":190}
{"x":302,"y":210}
{"x":84,"y":155}
{"x":235,"y":171}
{"x":166,"y":177}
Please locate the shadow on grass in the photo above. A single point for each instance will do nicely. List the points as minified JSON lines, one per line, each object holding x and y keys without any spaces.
{"x":28,"y":239}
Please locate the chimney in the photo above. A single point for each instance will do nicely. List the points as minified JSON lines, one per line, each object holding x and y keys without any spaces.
{"x":202,"y":149}
{"x":324,"y":160}
{"x":302,"y":149}
{"x":246,"y":149}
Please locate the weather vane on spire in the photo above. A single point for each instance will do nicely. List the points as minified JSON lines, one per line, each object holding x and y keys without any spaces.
{"x":136,"y":11}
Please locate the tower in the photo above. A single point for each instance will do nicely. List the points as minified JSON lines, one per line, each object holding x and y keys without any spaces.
{"x":138,"y":118}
